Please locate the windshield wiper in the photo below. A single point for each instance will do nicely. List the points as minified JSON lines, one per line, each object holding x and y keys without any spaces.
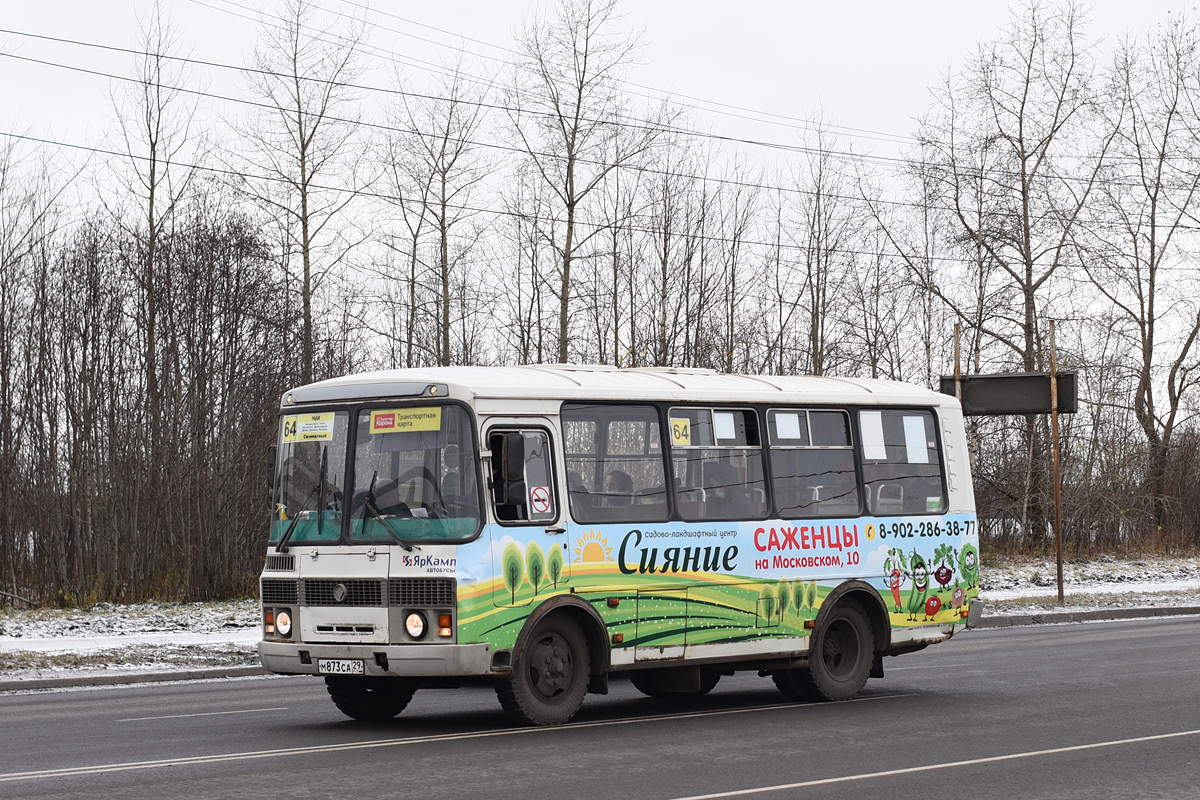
{"x":319,"y":492}
{"x":369,"y":505}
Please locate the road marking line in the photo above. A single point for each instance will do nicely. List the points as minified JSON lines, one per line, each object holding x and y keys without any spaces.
{"x":98,"y":769}
{"x":205,"y":714}
{"x":931,"y":767}
{"x":890,"y":670}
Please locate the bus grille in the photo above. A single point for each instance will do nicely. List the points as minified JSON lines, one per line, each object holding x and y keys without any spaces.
{"x":275,"y":591}
{"x":281,"y":563}
{"x":422,"y":592}
{"x":359,"y":592}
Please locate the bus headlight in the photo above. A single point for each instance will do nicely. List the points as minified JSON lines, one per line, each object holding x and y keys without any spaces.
{"x":414,"y":623}
{"x":283,"y":623}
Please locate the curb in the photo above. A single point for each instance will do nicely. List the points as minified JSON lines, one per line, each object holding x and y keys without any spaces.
{"x":1007,"y":621}
{"x":132,"y":677}
{"x":1051,"y":617}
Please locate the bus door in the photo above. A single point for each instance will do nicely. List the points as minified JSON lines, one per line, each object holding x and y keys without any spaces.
{"x":528,"y":541}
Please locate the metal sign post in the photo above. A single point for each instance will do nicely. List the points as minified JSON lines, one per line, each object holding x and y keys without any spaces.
{"x":1058,"y":539}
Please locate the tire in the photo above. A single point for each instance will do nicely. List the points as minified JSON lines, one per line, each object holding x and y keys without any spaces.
{"x":550,"y":676}
{"x":795,"y":686}
{"x":839,"y":661}
{"x":370,"y":699}
{"x":647,"y":682}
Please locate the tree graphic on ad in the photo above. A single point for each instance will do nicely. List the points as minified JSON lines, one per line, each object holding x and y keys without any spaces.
{"x":554,"y":565}
{"x":514,"y":569}
{"x":536,"y":560}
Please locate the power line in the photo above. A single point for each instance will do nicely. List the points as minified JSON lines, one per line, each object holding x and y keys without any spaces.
{"x":658,"y":94}
{"x":541,"y":218}
{"x":485,"y":106}
{"x":412,"y":131}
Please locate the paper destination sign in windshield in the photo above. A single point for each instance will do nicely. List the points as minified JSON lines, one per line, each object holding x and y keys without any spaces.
{"x":308,"y":427}
{"x":394,"y":420}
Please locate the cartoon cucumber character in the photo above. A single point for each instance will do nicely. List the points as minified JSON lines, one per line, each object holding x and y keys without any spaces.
{"x":968,"y":565}
{"x":920,"y":586}
{"x":895,"y":568}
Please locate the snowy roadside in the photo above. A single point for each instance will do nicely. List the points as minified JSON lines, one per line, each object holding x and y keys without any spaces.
{"x":169,"y":637}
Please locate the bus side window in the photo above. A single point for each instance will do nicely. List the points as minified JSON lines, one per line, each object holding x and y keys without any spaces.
{"x":718,"y":464}
{"x":812,"y":463}
{"x":521,"y":486}
{"x":615,"y":465}
{"x":902,"y":466}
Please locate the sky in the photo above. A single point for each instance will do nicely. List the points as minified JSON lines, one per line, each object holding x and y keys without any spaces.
{"x":865,"y":66}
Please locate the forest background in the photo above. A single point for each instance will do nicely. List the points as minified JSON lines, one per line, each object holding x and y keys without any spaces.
{"x":160,"y":291}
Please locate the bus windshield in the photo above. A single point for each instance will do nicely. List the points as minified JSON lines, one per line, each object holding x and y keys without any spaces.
{"x":413,"y":475}
{"x":307,"y":497}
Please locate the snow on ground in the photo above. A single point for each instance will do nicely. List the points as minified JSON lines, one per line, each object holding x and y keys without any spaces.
{"x":163,"y":637}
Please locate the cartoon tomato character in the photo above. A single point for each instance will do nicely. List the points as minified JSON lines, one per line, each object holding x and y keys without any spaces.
{"x":932,"y":606}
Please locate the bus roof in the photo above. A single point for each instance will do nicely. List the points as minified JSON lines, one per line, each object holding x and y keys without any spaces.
{"x":598,"y":382}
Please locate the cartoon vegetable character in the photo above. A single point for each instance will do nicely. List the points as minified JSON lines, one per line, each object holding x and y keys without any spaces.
{"x":896,"y":567}
{"x":932,"y":606}
{"x":968,"y":565}
{"x":920,"y":585}
{"x":956,"y":599}
{"x":943,"y":556}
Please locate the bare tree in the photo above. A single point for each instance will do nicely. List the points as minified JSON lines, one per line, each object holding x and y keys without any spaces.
{"x":1138,"y":255}
{"x":301,"y":154}
{"x":574,"y":123}
{"x":432,"y":153}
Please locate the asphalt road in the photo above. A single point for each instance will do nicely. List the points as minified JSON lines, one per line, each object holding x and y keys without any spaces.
{"x":1102,"y":710}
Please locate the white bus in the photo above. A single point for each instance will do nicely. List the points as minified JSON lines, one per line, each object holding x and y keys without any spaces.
{"x":544,"y":527}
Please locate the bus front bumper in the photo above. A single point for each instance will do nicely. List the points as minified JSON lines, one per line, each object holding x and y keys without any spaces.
{"x":396,"y":660}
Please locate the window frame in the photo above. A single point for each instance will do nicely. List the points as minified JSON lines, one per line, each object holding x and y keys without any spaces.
{"x":850,"y":414}
{"x":502,"y":427}
{"x":712,"y":409}
{"x":938,"y":448}
{"x":603,"y":455}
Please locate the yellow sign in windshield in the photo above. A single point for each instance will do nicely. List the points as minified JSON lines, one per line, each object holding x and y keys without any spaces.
{"x":395,"y":420}
{"x":308,"y":427}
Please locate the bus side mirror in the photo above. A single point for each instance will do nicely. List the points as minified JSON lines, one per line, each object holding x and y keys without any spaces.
{"x":271,"y":451}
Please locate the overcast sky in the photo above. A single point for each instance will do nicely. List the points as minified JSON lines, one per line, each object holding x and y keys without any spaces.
{"x":866,"y":65}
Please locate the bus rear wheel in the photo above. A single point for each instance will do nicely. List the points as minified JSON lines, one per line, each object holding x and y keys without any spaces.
{"x":839,"y":659}
{"x":550,"y":676}
{"x":369,"y":698}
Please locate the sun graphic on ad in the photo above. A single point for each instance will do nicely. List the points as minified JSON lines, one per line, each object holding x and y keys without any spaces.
{"x":593,"y":547}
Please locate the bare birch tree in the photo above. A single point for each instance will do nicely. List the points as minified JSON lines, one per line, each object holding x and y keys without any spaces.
{"x":301,"y":153}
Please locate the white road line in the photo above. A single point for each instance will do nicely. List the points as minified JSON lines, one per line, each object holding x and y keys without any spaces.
{"x":890,"y":670}
{"x":205,"y":714}
{"x":865,"y":776}
{"x":98,"y":769}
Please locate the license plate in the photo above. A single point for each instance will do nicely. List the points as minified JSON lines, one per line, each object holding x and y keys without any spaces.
{"x":339,"y":666}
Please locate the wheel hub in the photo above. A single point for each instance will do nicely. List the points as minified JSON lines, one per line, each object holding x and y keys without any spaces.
{"x":552,"y":667}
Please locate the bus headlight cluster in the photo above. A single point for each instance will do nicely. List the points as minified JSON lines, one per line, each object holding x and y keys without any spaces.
{"x":277,"y":622}
{"x":414,"y":623}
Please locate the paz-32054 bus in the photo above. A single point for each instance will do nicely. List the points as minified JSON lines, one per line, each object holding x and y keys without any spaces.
{"x":544,"y":527}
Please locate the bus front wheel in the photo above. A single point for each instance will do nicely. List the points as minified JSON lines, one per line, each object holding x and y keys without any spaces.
{"x":550,"y":676}
{"x":368,"y":698}
{"x":839,"y":659}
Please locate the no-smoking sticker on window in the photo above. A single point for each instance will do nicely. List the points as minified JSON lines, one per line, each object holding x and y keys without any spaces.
{"x":539,"y":499}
